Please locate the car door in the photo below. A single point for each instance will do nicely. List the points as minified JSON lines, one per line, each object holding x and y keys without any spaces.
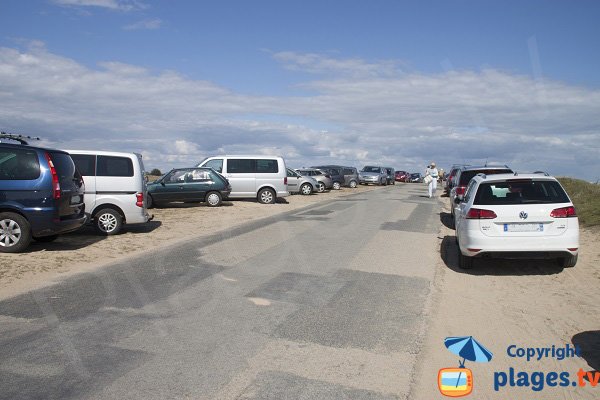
{"x":171,"y":188}
{"x":241,"y":173}
{"x":293,"y":181}
{"x":197,"y":182}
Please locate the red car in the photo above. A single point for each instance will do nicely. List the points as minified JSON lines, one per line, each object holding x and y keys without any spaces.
{"x":402,"y":176}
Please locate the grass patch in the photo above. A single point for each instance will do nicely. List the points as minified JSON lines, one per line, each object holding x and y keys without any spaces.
{"x":586,"y":198}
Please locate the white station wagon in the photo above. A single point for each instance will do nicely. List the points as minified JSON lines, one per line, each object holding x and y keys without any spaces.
{"x":516,"y":216}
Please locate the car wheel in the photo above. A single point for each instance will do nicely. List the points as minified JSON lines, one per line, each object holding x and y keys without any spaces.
{"x":352,"y":184}
{"x":306,"y":189}
{"x":150,"y":202}
{"x":214,"y":199}
{"x":15,"y":233}
{"x":46,"y":239}
{"x":336,"y":186}
{"x":464,"y":262}
{"x":108,"y":221}
{"x":266,"y":196}
{"x":321,"y":187}
{"x":567,"y":262}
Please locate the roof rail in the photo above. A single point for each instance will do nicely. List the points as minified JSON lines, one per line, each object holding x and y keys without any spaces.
{"x":19,"y":138}
{"x":542,"y":172}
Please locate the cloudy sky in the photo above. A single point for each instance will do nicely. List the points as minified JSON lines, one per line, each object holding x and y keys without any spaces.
{"x":351,"y":82}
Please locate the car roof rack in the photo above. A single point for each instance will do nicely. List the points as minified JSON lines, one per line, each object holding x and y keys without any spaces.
{"x":19,"y":138}
{"x":542,"y":172}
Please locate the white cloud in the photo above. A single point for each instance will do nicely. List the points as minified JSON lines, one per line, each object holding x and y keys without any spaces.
{"x":120,"y":5}
{"x":404,"y":120}
{"x":147,"y":24}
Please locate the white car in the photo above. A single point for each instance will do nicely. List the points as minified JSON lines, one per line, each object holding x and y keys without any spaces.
{"x":516,"y":216}
{"x":115,"y":188}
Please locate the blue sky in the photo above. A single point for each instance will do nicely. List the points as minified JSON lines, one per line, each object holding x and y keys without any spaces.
{"x":395,"y":82}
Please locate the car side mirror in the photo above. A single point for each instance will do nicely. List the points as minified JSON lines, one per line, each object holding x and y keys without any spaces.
{"x":162,"y":183}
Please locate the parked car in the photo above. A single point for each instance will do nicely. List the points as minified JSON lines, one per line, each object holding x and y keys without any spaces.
{"x":301,"y":184}
{"x":336,"y":174}
{"x":449,"y":182}
{"x":372,"y":175}
{"x":260,"y":177}
{"x":391,"y":175}
{"x":401,"y":176}
{"x":324,"y":181}
{"x":189,"y":185}
{"x":464,"y":175}
{"x":415,"y":177}
{"x":516,"y":216}
{"x":350,"y":176}
{"x":115,"y":188}
{"x":41,"y":195}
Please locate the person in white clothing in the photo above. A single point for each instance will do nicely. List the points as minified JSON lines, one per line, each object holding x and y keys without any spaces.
{"x":433,"y":172}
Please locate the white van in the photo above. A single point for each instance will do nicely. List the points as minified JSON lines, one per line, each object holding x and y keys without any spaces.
{"x":115,"y":188}
{"x":261,"y":177}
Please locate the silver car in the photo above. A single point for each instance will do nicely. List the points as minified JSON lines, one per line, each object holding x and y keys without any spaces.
{"x":373,"y":175}
{"x":301,"y":184}
{"x":324,"y":181}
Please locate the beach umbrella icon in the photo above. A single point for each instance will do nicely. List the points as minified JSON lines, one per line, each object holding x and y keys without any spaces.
{"x":467,"y":348}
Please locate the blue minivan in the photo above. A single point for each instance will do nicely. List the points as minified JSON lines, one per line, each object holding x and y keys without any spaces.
{"x":41,"y":195}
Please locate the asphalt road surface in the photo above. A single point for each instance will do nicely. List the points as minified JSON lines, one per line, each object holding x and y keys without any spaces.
{"x":325,"y":302}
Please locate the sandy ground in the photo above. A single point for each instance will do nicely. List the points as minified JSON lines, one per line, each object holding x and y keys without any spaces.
{"x":522,"y":303}
{"x":84,"y":250}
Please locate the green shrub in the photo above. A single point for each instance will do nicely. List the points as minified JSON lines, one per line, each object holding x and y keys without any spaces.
{"x":586,"y":198}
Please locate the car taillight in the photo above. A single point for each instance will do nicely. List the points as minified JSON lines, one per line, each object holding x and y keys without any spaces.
{"x":55,"y":182}
{"x":139,"y":199}
{"x":564,"y":212}
{"x":460,"y":190}
{"x":477,"y":213}
{"x":285,"y":180}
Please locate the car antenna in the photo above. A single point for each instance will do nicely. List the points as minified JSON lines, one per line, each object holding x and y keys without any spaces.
{"x":19,"y":138}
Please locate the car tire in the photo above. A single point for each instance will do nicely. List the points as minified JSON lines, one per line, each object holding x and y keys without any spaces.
{"x":568,"y":262}
{"x":353,"y":184}
{"x":108,"y":221}
{"x":46,"y":239}
{"x":150,"y":202}
{"x":11,"y":241}
{"x":213,"y":199}
{"x":464,"y":262}
{"x":266,"y":196}
{"x":336,"y":186}
{"x":321,"y":187}
{"x":306,"y":189}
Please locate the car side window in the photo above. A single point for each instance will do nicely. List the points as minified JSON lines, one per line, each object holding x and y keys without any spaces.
{"x":114,"y":166}
{"x":216,"y":164}
{"x":85,"y":163}
{"x":469,"y":190}
{"x":19,"y":164}
{"x":266,"y":166}
{"x":176,"y":176}
{"x":240,"y":166}
{"x":200,"y":175}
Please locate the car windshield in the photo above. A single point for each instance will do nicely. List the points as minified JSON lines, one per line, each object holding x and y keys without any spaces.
{"x":522,"y":191}
{"x":370,"y":169}
{"x":466,"y":176}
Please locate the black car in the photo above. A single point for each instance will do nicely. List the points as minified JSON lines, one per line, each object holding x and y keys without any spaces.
{"x":198,"y":184}
{"x":415,"y":177}
{"x":41,"y":195}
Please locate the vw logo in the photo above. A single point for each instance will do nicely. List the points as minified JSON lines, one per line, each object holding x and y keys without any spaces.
{"x":523,"y":215}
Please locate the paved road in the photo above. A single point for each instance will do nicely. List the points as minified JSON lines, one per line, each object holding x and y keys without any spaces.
{"x":323,"y":303}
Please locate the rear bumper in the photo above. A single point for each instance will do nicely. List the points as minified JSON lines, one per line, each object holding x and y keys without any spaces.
{"x":283,"y":194}
{"x":519,"y":246}
{"x":45,"y":223}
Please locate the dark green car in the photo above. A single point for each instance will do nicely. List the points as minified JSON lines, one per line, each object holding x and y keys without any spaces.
{"x":189,"y":185}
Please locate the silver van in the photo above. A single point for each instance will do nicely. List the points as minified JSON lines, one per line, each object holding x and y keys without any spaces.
{"x":261,"y":177}
{"x":115,"y":188}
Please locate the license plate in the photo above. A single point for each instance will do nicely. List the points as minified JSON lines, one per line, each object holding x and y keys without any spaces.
{"x":523,"y":227}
